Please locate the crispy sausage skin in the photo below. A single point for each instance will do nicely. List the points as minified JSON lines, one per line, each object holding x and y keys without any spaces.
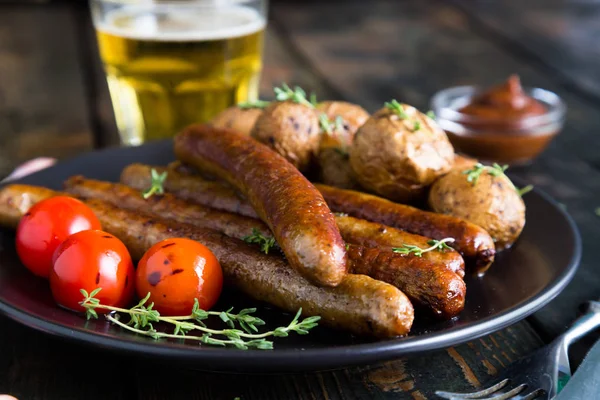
{"x":371,"y":234}
{"x":281,"y":196}
{"x":434,"y":289}
{"x":359,"y":304}
{"x":353,"y":230}
{"x":166,"y":206}
{"x":188,"y":187}
{"x":427,"y":282}
{"x":473,"y":242}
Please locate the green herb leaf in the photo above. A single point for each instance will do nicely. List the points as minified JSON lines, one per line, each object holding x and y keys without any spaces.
{"x":440,"y":245}
{"x":254,"y":104}
{"x":156,"y":185}
{"x":266,"y":243}
{"x":525,"y":190}
{"x":475,"y":172}
{"x":396,"y":108}
{"x":431,"y":114}
{"x":416,"y":126}
{"x":298,"y":95}
{"x":141,"y":317}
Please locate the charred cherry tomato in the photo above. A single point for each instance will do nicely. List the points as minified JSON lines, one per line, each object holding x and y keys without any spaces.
{"x":177,"y":271}
{"x":46,"y":225}
{"x":89,"y":260}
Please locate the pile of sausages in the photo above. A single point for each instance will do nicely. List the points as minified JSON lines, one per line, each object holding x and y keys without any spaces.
{"x":338,"y":266}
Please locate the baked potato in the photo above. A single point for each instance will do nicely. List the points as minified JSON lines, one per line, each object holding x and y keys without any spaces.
{"x":334,"y":165}
{"x":343,"y":120}
{"x":463,"y":163}
{"x":352,"y":117}
{"x":400,"y":151}
{"x":239,"y":119}
{"x":291,"y":129}
{"x":489,"y":200}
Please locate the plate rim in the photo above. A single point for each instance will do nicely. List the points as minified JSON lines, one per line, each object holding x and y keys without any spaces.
{"x":322,"y":358}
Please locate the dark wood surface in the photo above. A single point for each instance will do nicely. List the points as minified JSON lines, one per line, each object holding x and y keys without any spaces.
{"x":54,"y":102}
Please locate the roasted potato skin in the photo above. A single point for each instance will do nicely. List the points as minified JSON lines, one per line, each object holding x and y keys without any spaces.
{"x":239,"y":119}
{"x":292,"y":130}
{"x":492,"y":203}
{"x":353,"y":116}
{"x":334,"y":164}
{"x":398,"y":158}
{"x":463,"y":163}
{"x":333,"y":159}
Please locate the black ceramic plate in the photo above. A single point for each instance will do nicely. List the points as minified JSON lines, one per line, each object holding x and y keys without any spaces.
{"x":521,"y":281}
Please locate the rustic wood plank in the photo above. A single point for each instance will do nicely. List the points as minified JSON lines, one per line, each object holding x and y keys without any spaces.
{"x":34,"y":365}
{"x":408,"y":50}
{"x":555,"y":35}
{"x":42,"y":111}
{"x":459,"y":369}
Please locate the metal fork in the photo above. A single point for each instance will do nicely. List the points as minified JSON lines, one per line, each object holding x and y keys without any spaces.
{"x":542,"y":374}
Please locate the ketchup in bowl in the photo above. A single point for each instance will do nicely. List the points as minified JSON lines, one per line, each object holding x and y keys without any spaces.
{"x":506,"y":123}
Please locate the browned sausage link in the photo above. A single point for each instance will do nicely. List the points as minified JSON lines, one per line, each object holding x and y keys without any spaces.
{"x":403,"y":271}
{"x":435,"y":289}
{"x":371,"y":234}
{"x":281,"y":196}
{"x":359,"y":304}
{"x":473,"y":242}
{"x":16,"y":200}
{"x":166,"y":206}
{"x":209,"y":193}
{"x":353,"y":230}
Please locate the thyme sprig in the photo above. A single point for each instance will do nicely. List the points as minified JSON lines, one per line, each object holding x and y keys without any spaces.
{"x":254,"y":104}
{"x":440,"y":245}
{"x":266,"y":243}
{"x":495,"y":170}
{"x":396,"y":108}
{"x":328,"y":126}
{"x":298,"y":95}
{"x":474,"y":173}
{"x":142,"y":315}
{"x":156,"y":184}
{"x":524,"y":190}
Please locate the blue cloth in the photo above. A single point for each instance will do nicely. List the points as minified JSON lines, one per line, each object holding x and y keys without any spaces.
{"x":585,"y":383}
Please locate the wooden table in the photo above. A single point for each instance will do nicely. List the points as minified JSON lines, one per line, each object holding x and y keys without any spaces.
{"x":54,"y":102}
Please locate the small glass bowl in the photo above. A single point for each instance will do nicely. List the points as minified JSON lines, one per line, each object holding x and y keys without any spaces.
{"x":499,"y":140}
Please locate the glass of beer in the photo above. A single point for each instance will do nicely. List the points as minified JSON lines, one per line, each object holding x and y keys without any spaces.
{"x":170,"y":64}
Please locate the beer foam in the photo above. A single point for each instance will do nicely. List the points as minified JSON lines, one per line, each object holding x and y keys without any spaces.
{"x":182,"y":24}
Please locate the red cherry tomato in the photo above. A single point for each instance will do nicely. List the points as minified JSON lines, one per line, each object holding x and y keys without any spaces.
{"x":177,"y":271}
{"x":46,"y":225}
{"x":89,"y":260}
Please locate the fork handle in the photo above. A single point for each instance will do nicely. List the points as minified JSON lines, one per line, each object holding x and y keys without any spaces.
{"x":584,"y":324}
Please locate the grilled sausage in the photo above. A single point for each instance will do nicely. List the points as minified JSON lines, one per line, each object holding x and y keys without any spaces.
{"x":426,"y":281}
{"x":473,"y":242}
{"x":281,"y":196}
{"x":353,"y":230}
{"x":359,"y":304}
{"x":188,"y":187}
{"x":434,"y":289}
{"x":166,"y":206}
{"x":372,"y":234}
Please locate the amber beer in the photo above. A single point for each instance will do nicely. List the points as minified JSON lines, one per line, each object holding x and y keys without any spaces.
{"x":168,"y":67}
